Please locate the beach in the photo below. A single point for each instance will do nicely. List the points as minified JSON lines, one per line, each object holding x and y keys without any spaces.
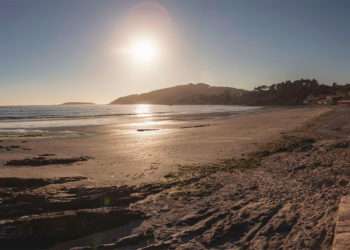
{"x":259,"y":180}
{"x":147,"y":149}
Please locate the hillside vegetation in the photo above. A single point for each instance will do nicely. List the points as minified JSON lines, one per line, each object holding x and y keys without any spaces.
{"x":284,"y":93}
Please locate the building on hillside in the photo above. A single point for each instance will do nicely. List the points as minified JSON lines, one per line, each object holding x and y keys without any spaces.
{"x":322,"y":99}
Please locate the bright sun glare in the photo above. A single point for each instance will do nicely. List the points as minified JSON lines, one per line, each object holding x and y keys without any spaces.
{"x":142,"y":109}
{"x":144,"y":51}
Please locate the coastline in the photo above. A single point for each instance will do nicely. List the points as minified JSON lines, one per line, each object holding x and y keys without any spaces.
{"x":283,"y":191}
{"x":146,"y":150}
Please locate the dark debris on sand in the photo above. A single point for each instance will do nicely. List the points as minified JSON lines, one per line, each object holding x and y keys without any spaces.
{"x":30,"y":183}
{"x":43,"y":161}
{"x":9,"y":148}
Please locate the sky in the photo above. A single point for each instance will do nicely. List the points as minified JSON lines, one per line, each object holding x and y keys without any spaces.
{"x":79,"y":50}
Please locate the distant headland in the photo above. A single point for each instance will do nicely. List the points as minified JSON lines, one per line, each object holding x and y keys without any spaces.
{"x":299,"y":92}
{"x":199,"y":93}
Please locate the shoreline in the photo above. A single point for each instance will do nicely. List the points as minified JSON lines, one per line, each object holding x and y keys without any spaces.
{"x":147,"y":150}
{"x":63,"y":126}
{"x":284,"y":192}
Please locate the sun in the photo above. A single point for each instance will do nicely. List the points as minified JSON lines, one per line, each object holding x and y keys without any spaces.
{"x":144,"y":51}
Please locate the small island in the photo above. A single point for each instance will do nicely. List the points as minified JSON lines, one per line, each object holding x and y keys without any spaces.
{"x":78,"y":103}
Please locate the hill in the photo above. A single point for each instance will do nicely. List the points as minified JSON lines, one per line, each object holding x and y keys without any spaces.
{"x":303,"y":91}
{"x":199,"y":93}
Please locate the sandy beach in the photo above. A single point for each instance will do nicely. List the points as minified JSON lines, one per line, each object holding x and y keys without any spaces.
{"x":150,"y":148}
{"x":273,"y":185}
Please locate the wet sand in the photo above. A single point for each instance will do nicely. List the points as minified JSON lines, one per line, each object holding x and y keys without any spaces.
{"x":149,"y":149}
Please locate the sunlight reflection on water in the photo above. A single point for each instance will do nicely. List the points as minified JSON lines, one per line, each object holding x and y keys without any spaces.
{"x":143,"y":110}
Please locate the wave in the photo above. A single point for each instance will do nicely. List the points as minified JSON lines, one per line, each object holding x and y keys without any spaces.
{"x":31,"y":117}
{"x":60,"y":117}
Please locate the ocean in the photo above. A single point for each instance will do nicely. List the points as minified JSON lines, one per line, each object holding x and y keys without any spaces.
{"x":22,"y":118}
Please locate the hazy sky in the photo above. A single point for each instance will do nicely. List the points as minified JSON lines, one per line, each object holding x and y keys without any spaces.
{"x":53,"y":51}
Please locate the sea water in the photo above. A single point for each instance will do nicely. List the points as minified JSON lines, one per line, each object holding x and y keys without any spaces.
{"x":23,"y":118}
